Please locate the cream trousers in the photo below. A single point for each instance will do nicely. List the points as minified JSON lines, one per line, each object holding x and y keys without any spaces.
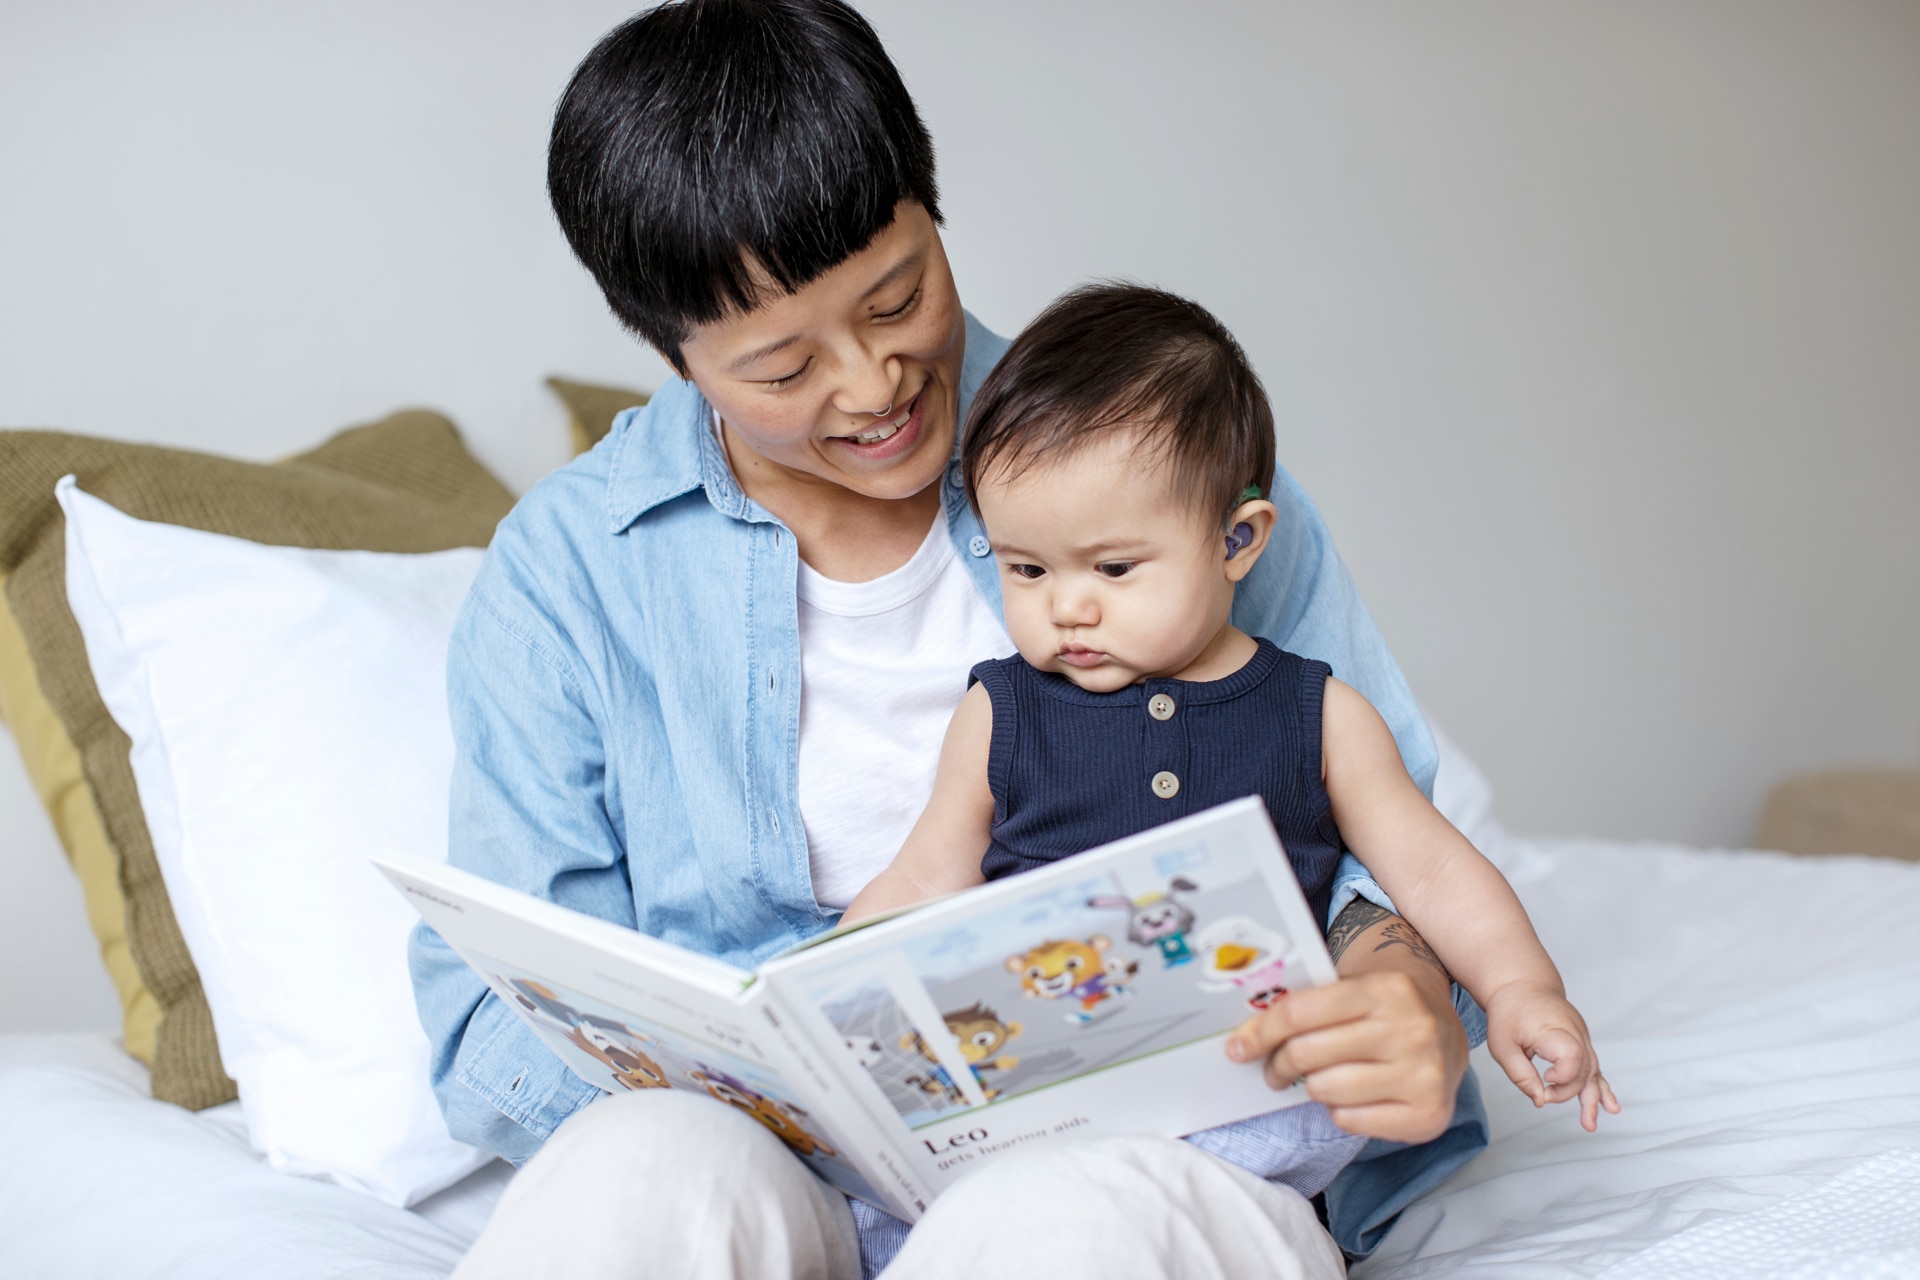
{"x":661,"y":1184}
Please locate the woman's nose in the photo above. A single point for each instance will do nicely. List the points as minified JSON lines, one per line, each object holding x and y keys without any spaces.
{"x":869,"y":385}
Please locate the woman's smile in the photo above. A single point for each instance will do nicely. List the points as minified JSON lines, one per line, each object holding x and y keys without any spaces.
{"x":889,"y":439}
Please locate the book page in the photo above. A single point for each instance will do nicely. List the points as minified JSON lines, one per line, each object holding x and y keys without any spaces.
{"x":628,"y":1012}
{"x":1093,"y":995}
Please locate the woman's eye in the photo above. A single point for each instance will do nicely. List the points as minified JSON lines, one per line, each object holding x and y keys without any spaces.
{"x":1025,"y":570}
{"x":1116,"y":568}
{"x":902,"y":309}
{"x":785,"y":379}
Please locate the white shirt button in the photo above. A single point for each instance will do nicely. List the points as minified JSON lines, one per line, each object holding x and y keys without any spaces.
{"x":1165,"y":785}
{"x":1161,"y":707}
{"x":979,"y":545}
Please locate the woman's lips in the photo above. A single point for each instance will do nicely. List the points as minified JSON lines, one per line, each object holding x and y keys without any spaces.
{"x":895,"y":445}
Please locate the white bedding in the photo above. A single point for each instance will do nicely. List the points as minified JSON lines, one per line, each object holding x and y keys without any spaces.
{"x":1759,"y":1015}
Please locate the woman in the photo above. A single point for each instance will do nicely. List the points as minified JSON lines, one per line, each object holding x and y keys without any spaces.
{"x":700,"y":685}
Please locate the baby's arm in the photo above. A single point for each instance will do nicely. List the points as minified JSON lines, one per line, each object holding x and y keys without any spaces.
{"x":1461,"y":904}
{"x":943,"y":851}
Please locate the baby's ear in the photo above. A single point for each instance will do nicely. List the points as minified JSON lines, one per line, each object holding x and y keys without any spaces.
{"x":1249,"y":529}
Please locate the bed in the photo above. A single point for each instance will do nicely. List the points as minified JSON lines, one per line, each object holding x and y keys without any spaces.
{"x":1759,"y":1014}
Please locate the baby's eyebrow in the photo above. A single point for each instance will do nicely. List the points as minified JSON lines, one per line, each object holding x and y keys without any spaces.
{"x":1110,"y":545}
{"x":1106,"y":546}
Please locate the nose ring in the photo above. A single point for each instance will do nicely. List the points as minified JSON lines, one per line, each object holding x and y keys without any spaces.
{"x":881,"y":413}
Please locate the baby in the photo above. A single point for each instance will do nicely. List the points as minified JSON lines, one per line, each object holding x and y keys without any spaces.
{"x":1118,"y":456}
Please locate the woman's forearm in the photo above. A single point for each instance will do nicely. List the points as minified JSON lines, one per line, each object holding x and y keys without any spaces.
{"x":1367,"y":938}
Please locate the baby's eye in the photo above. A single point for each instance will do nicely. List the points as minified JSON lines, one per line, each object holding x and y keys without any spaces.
{"x":1116,"y":568}
{"x":1025,"y":570}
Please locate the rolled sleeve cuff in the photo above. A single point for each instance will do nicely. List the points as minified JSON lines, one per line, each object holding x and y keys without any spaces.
{"x":507,"y":1071}
{"x":1350,"y":881}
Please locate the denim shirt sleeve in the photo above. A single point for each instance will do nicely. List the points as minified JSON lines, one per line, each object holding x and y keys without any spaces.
{"x":527,"y":777}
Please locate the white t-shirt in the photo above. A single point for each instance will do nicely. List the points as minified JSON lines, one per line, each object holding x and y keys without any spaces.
{"x":883,"y":664}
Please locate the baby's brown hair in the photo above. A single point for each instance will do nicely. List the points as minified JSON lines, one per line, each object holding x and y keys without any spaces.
{"x":1116,"y":356}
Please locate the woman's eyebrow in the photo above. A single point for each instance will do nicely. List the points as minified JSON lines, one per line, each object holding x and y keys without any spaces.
{"x":760,"y":353}
{"x":894,"y":272}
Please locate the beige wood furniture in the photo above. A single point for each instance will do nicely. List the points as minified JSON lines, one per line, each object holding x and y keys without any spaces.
{"x":1872,"y":811}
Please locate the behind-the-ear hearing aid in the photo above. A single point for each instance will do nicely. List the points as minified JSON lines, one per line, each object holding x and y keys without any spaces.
{"x":1238,"y":538}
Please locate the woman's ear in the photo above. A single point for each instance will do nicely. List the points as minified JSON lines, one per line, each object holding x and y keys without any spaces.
{"x":1249,"y":527}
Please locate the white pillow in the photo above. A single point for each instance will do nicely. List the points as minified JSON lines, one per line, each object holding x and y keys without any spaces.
{"x":288,"y":715}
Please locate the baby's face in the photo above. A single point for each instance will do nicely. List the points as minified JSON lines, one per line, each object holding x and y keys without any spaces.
{"x":1108,"y":578}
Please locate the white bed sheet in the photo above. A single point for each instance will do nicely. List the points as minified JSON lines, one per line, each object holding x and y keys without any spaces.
{"x":100,"y":1181}
{"x":1759,"y":1014}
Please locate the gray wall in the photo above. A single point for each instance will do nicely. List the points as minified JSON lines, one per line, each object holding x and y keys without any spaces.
{"x":1595,"y":329}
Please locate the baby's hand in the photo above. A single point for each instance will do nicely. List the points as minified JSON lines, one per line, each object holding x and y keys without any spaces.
{"x":1527,"y":1021}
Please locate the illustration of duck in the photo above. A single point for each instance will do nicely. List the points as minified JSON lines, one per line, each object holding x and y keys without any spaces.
{"x":1242,"y":954}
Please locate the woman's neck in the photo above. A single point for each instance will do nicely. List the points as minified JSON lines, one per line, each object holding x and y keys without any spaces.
{"x":842,"y":535}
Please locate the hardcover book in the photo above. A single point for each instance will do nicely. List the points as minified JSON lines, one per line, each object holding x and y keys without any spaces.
{"x":1092,"y":996}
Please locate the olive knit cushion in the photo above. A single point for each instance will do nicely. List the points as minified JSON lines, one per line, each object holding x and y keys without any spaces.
{"x":403,"y":484}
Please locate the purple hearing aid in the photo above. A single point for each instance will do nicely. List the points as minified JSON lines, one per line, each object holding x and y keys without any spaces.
{"x":1239,"y":538}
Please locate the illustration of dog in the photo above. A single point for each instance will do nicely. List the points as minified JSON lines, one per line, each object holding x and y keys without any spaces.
{"x":981,"y":1034}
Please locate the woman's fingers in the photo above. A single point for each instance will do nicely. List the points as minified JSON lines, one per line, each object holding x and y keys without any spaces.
{"x":1355,"y":1084}
{"x":1299,"y":1012}
{"x":1394,"y":1121}
{"x":1362,"y":1044}
{"x":1312,"y":1051}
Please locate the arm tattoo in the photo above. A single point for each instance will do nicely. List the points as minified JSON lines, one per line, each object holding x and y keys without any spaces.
{"x":1360,"y":915}
{"x":1402,"y":934}
{"x":1354,"y":919}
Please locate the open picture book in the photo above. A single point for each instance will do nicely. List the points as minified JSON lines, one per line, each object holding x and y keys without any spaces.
{"x":1092,"y":996}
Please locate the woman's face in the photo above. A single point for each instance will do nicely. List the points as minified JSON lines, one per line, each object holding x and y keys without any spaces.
{"x":854,"y":380}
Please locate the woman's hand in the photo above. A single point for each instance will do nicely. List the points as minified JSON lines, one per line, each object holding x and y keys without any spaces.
{"x":1382,"y":1048}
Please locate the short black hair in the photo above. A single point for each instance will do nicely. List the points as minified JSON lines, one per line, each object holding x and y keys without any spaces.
{"x":704,"y":135}
{"x":1122,"y":357}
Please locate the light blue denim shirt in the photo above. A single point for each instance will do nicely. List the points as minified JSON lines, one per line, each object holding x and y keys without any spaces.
{"x":624,"y":685}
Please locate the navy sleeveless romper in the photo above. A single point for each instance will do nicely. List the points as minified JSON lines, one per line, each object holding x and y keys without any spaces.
{"x":1071,"y":769}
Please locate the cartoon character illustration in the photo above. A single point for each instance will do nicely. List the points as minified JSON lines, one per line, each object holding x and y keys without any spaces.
{"x":1157,"y":919}
{"x":935,"y":1081}
{"x":1237,"y":952}
{"x":543,"y":1002}
{"x":1062,"y":968}
{"x":866,"y":1051}
{"x":613,"y":1044}
{"x":981,"y":1034}
{"x":777,"y":1116}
